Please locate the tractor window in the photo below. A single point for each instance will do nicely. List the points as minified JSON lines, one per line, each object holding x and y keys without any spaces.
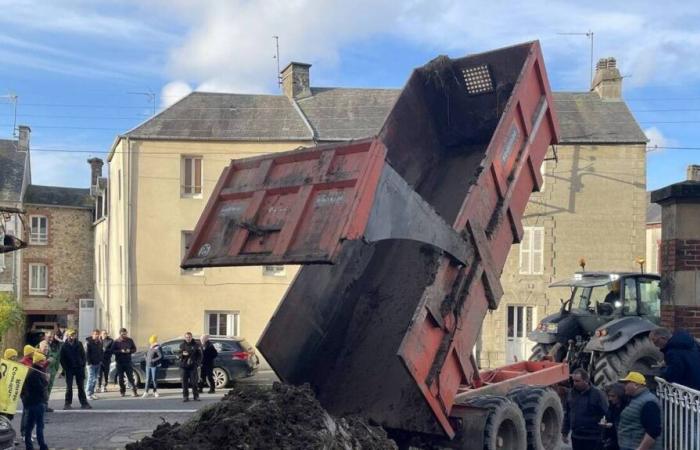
{"x":588,"y":298}
{"x":630,"y":305}
{"x":649,"y":298}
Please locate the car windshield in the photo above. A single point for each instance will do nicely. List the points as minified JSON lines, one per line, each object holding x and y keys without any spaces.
{"x":587,"y":298}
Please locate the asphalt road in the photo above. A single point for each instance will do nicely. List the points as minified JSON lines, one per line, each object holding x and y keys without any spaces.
{"x":115,"y":421}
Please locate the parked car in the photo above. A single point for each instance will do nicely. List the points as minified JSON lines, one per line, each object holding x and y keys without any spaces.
{"x":236,"y":359}
{"x":7,"y":434}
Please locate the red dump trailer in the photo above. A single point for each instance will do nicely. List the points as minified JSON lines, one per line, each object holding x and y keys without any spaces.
{"x":403,"y":237}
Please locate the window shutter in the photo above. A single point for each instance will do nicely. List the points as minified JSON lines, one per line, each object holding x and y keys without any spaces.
{"x":525,"y":252}
{"x":537,"y":250}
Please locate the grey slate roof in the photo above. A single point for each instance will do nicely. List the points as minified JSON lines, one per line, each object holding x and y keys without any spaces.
{"x":585,"y":118}
{"x":12,"y":165}
{"x":59,"y":196}
{"x":337,"y":114}
{"x":653,"y":211}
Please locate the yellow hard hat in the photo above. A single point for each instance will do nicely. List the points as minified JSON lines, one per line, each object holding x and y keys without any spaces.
{"x":28,"y":350}
{"x":71,"y":331}
{"x":635,"y":377}
{"x":9,"y":353}
{"x":38,"y":357}
{"x":153,"y":339}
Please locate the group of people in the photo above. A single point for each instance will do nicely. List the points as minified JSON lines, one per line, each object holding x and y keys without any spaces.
{"x":628,"y":415}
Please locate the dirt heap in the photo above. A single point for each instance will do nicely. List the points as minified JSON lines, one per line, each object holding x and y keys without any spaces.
{"x":249,"y":417}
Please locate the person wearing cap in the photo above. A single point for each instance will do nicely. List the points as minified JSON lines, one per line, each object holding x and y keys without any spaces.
{"x":27,"y":353}
{"x":73,"y":363}
{"x":123,"y":347}
{"x":10,"y":354}
{"x":640,"y":421}
{"x":153,"y":357}
{"x":585,"y":406}
{"x":35,"y":396}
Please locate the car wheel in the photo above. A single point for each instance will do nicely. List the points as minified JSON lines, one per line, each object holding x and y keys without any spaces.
{"x":220,"y":378}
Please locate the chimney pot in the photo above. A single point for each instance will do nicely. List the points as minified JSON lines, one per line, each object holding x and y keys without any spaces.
{"x":95,"y":170}
{"x":24,"y":132}
{"x":295,"y":80}
{"x":694,"y":172}
{"x":607,"y":82}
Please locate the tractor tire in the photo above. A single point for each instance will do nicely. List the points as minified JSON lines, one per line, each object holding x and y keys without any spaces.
{"x":639,"y":354}
{"x":544,"y":415}
{"x":539,"y":351}
{"x":505,"y":425}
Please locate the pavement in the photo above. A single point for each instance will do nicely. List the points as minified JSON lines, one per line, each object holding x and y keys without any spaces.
{"x":116,"y":421}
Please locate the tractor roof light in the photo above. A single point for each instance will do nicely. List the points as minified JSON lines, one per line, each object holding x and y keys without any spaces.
{"x":614,"y":277}
{"x":578,"y":276}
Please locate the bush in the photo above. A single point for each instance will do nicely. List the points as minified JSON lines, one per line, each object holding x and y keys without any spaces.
{"x":11,"y":313}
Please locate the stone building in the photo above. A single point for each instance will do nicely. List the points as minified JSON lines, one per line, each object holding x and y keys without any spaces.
{"x":592,"y":206}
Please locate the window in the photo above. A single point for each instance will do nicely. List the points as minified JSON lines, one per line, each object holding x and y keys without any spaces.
{"x":39,"y":230}
{"x":222,"y":324}
{"x":630,"y":303}
{"x":650,"y":298}
{"x":38,"y":279}
{"x":191,"y":175}
{"x":185,"y":242}
{"x":274,"y":271}
{"x":532,"y":251}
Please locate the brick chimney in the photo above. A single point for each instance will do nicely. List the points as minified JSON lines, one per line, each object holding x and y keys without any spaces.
{"x":295,"y":80}
{"x":24,"y":132}
{"x":95,"y":170}
{"x":694,"y":172}
{"x":607,"y":82}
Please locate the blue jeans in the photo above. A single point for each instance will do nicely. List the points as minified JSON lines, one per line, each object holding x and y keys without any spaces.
{"x":35,"y":416}
{"x":151,"y":377}
{"x":93,"y":373}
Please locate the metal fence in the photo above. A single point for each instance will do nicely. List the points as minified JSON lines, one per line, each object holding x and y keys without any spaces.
{"x":681,"y":415}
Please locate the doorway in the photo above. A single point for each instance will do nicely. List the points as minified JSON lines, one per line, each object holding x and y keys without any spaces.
{"x":520,"y":321}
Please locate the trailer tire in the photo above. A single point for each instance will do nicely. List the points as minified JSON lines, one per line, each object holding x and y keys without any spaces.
{"x":639,"y":354}
{"x":544,"y":415}
{"x":505,"y":425}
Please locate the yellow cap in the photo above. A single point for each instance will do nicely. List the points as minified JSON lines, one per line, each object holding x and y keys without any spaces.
{"x":38,"y":357}
{"x":28,"y":350}
{"x":635,"y":377}
{"x":9,"y":353}
{"x":70,"y":331}
{"x":153,"y":339}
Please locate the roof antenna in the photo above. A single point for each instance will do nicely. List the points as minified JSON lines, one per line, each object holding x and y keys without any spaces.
{"x":589,"y":35}
{"x":277,"y":57}
{"x":151,"y":97}
{"x":12,"y":98}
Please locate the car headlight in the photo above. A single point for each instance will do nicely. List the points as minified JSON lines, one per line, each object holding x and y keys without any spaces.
{"x":552,"y":328}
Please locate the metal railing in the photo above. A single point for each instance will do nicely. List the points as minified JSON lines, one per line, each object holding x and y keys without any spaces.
{"x":680,"y":406}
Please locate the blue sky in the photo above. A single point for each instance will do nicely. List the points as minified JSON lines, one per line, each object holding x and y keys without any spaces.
{"x":85,"y":71}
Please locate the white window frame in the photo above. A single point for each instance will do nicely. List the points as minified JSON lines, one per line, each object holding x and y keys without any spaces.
{"x":274,"y":271}
{"x":38,"y":289}
{"x":543,"y":172}
{"x":233,"y":323}
{"x":189,"y":187}
{"x":183,"y":250}
{"x":37,"y":237}
{"x":532,"y":251}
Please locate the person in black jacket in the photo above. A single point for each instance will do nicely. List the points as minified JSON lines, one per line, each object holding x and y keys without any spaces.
{"x":35,"y":396}
{"x":190,"y":359}
{"x":585,"y":406}
{"x":681,"y":355}
{"x":95,"y":353}
{"x":209,"y":354}
{"x":123,"y":347}
{"x":72,"y":358}
{"x":617,"y":400}
{"x":106,"y":361}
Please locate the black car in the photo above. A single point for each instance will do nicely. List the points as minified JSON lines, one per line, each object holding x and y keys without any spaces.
{"x":236,"y":359}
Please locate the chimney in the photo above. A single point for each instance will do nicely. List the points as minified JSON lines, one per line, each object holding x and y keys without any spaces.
{"x":295,"y":80}
{"x":607,"y":82}
{"x":95,"y":170}
{"x":24,"y":132}
{"x":694,"y":172}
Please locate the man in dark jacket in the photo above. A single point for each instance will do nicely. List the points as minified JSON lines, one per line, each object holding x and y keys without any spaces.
{"x":209,"y":354}
{"x":585,"y":406}
{"x":35,"y":396}
{"x":72,"y":358}
{"x":106,"y":360}
{"x":123,"y":347}
{"x":681,"y":355}
{"x":95,"y":353}
{"x":190,"y":359}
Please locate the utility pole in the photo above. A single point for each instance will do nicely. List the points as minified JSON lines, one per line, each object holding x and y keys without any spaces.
{"x":277,"y":57}
{"x":589,"y":35}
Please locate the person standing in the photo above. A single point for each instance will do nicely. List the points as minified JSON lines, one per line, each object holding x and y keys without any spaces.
{"x":10,"y":354}
{"x":35,"y":396}
{"x":153,"y":357}
{"x":640,"y":421}
{"x":209,"y":354}
{"x":123,"y":347}
{"x":73,"y":362}
{"x":54,"y":359}
{"x":616,"y":403}
{"x":27,"y":354}
{"x":95,"y":354}
{"x":190,"y":358}
{"x":106,"y":360}
{"x":681,"y":356}
{"x":585,"y":407}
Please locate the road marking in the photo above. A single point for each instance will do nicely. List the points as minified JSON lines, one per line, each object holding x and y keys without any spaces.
{"x":112,"y":411}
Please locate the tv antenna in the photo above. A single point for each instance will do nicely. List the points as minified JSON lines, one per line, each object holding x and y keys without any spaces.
{"x":277,"y":57}
{"x":589,"y":34}
{"x":12,"y":98}
{"x":151,"y":98}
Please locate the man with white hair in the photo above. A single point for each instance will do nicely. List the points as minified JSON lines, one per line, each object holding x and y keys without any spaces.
{"x":209,"y":354}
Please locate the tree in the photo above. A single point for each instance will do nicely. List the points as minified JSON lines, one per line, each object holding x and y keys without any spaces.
{"x":10,"y":312}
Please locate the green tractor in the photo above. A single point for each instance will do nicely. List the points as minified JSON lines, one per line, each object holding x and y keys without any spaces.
{"x":604,"y":325}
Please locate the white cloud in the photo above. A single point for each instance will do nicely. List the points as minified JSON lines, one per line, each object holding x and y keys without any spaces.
{"x":172,"y":92}
{"x":657,"y":140}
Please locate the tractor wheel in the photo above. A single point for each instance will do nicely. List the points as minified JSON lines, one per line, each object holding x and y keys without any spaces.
{"x":544,"y":415}
{"x":505,"y":425}
{"x":539,"y":351}
{"x":639,"y":354}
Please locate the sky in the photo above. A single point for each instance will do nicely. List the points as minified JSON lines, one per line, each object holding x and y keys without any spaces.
{"x":81,"y":72}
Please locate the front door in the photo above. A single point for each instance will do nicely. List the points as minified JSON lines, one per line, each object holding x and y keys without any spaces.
{"x":86,"y":318}
{"x":521,"y":320}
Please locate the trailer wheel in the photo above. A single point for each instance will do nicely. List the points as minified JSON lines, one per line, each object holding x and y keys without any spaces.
{"x":505,"y":425}
{"x":543,"y":413}
{"x":639,"y":354}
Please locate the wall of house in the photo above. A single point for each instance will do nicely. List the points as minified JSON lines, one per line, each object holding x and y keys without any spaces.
{"x":593,"y":206}
{"x":166,"y":301}
{"x":69,"y":258}
{"x":114,"y":298}
{"x":653,"y":238}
